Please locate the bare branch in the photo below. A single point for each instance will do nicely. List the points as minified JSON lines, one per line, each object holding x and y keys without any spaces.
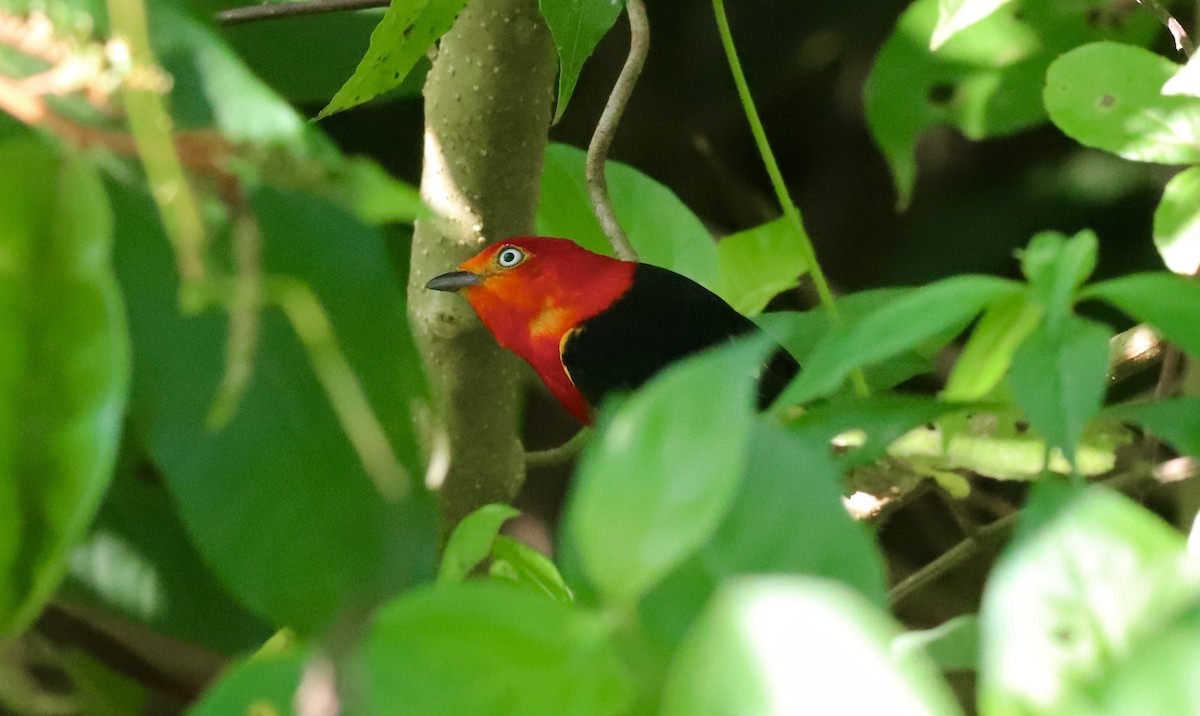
{"x":1182,"y":41}
{"x":276,"y":10}
{"x":606,"y":129}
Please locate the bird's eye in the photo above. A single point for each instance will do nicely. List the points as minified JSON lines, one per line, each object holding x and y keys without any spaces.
{"x":510,"y":256}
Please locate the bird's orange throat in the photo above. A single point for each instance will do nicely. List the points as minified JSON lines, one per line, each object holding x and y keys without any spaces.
{"x":531,"y":311}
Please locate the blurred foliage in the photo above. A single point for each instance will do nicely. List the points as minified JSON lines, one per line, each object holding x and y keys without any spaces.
{"x":705,"y":561}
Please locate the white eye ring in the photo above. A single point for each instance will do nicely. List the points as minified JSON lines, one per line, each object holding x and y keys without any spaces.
{"x":510,"y":256}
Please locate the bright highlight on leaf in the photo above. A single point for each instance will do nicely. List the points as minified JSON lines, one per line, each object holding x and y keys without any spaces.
{"x":957,"y":15}
{"x":1177,"y":223}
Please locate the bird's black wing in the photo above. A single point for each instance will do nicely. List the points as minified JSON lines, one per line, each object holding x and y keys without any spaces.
{"x":662,"y":318}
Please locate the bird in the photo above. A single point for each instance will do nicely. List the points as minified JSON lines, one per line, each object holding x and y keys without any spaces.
{"x":590,"y":325}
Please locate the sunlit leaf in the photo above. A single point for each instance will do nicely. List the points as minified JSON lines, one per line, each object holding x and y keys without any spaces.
{"x":1177,"y":223}
{"x":989,"y":351}
{"x":1107,"y":95}
{"x":957,"y":15}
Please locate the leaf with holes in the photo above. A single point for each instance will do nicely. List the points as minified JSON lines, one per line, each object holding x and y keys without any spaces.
{"x":1090,"y":577}
{"x":1108,"y":96}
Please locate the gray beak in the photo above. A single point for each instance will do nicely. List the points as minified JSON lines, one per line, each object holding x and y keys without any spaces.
{"x":454,"y":281}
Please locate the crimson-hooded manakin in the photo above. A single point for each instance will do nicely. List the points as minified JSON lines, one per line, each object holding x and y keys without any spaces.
{"x":589,"y":324}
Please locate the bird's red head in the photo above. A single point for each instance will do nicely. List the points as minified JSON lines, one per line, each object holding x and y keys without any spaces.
{"x":531,"y":292}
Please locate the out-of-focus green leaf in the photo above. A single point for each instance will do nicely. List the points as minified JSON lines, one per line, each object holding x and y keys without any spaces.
{"x":64,"y":368}
{"x":760,"y":263}
{"x":989,"y":351}
{"x":664,"y":468}
{"x":1059,"y":380}
{"x":407,"y":30}
{"x":471,"y":541}
{"x":484,"y":647}
{"x":662,"y":229}
{"x":1108,"y":96}
{"x":139,"y":561}
{"x":1168,"y":302}
{"x":1089,"y":578}
{"x":260,"y":684}
{"x":1175,"y":420}
{"x":953,"y":645}
{"x":907,"y":322}
{"x":986,"y":80}
{"x":1056,"y":266}
{"x":957,"y":15}
{"x":521,"y":564}
{"x":776,"y":645}
{"x":278,"y":502}
{"x":1177,"y":223}
{"x":577,"y":27}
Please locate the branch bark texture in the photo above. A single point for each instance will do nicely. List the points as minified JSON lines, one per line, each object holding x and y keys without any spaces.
{"x":488,"y":104}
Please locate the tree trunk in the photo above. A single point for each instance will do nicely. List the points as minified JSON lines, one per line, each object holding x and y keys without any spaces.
{"x":487,"y":113}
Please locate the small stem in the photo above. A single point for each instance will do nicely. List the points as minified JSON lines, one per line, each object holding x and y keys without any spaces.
{"x":1182,"y":41}
{"x":272,"y":11}
{"x":558,"y":455}
{"x":790,"y":212}
{"x":150,"y":124}
{"x":606,"y":129}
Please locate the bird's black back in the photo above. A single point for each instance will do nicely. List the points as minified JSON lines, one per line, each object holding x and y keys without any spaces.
{"x":662,"y":318}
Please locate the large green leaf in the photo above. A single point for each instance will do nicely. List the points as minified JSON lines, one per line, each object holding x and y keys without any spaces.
{"x":986,"y":79}
{"x":1176,"y":420}
{"x":662,"y":229}
{"x":1109,"y":96}
{"x":485,"y":648}
{"x":64,"y":368}
{"x":577,"y":27}
{"x":662,"y":471}
{"x":1177,"y":222}
{"x":1059,"y":380}
{"x":1090,"y":577}
{"x":278,"y":501}
{"x":790,"y":645}
{"x":759,"y":263}
{"x":1168,"y":302}
{"x":403,"y":36}
{"x":899,"y":326}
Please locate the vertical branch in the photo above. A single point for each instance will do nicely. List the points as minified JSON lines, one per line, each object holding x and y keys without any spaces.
{"x":487,"y":114}
{"x":606,"y":129}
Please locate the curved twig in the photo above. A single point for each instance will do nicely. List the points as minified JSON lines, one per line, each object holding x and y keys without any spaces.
{"x":1182,"y":41}
{"x":558,"y":455}
{"x":272,"y":11}
{"x":606,"y":129}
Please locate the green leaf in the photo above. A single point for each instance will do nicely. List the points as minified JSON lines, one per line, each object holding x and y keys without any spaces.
{"x":1108,"y":96}
{"x":521,"y":564}
{"x":138,"y":561}
{"x":577,"y":27}
{"x":1059,"y":380}
{"x":1090,"y":576}
{"x":278,"y":502}
{"x":760,"y":263}
{"x":797,"y":645}
{"x":655,"y":482}
{"x":1056,"y":266}
{"x":952,"y":645}
{"x":918,"y":316}
{"x":955,"y":16}
{"x":260,"y":684}
{"x":1168,"y":302}
{"x":484,"y":647}
{"x":1177,"y":223}
{"x":986,"y":80}
{"x":471,"y":541}
{"x":1175,"y":420}
{"x":989,"y":351}
{"x":404,"y":35}
{"x":663,"y":230}
{"x":64,"y":368}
